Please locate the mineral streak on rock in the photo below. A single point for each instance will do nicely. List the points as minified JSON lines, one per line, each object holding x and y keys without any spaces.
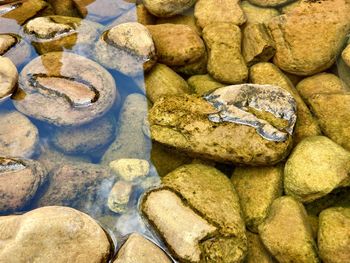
{"x":235,"y":104}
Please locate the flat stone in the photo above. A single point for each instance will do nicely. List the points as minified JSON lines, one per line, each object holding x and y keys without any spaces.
{"x":119,"y":196}
{"x":8,"y":77}
{"x":286,"y":232}
{"x":316,"y":167}
{"x":202,"y":84}
{"x":226,"y":63}
{"x":130,"y":169}
{"x":167,"y":8}
{"x":59,"y":234}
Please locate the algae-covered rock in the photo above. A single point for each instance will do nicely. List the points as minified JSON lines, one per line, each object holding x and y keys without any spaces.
{"x":257,"y":253}
{"x":286,"y":232}
{"x":257,"y":188}
{"x":316,"y":167}
{"x":163,"y":81}
{"x":226,"y":63}
{"x":207,"y":195}
{"x":334,"y":235}
{"x":268,"y":73}
{"x":202,"y":84}
{"x":256,"y":14}
{"x":167,"y":8}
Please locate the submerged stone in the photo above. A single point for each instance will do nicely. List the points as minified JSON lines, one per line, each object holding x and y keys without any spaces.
{"x":15,"y":48}
{"x":8,"y":77}
{"x":119,"y":196}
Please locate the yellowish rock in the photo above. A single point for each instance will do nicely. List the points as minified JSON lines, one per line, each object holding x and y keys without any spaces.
{"x":270,"y":3}
{"x":130,"y":169}
{"x":256,"y":14}
{"x":202,"y":84}
{"x":257,"y":253}
{"x":8,"y":77}
{"x":119,"y":196}
{"x":167,"y":8}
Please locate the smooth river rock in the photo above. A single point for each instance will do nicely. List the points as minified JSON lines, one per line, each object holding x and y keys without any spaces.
{"x":8,"y":77}
{"x":167,"y":8}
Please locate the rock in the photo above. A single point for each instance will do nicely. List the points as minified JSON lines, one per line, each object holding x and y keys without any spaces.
{"x":210,"y":12}
{"x":256,"y":14}
{"x":183,"y":123}
{"x":64,"y":8}
{"x":70,"y":89}
{"x":75,"y":185}
{"x":346,"y":55}
{"x":20,"y":180}
{"x":257,"y":188}
{"x":202,"y":84}
{"x":190,"y":207}
{"x":257,"y":253}
{"x":132,"y":44}
{"x":316,"y":167}
{"x":138,"y":13}
{"x":130,"y":169}
{"x":299,"y":54}
{"x":177,"y":45}
{"x":334,"y":235}
{"x":331,"y":111}
{"x":15,"y":48}
{"x":287,"y":234}
{"x":195,"y":68}
{"x":143,"y":16}
{"x":270,"y":3}
{"x":257,"y":45}
{"x":167,"y":8}
{"x":130,"y":129}
{"x":59,"y":33}
{"x":268,"y":73}
{"x":141,"y":250}
{"x":322,"y":83}
{"x":226,"y":63}
{"x":89,"y":138}
{"x":18,"y":136}
{"x":289,"y":7}
{"x":45,"y":233}
{"x":163,"y":81}
{"x":119,"y":196}
{"x":8,"y":77}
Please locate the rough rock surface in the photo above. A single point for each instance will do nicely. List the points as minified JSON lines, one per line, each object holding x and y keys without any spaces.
{"x":256,"y":14}
{"x":167,"y":8}
{"x":257,"y":253}
{"x":270,"y":3}
{"x":202,"y":84}
{"x":8,"y":77}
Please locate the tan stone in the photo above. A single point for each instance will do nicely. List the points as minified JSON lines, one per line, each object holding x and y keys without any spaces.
{"x":8,"y":77}
{"x":130,"y":169}
{"x":52,"y":234}
{"x":346,"y":55}
{"x":202,"y":84}
{"x":167,"y":8}
{"x":119,"y":196}
{"x":256,"y":14}
{"x":270,"y":3}
{"x":226,"y":63}
{"x":257,"y":253}
{"x":15,"y":48}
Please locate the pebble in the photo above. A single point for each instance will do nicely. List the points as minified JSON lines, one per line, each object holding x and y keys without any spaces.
{"x":8,"y":77}
{"x":130,"y":169}
{"x":119,"y":196}
{"x":167,"y":8}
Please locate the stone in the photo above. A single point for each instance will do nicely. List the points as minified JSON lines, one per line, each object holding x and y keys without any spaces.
{"x":130,"y":169}
{"x":268,"y":73}
{"x":346,"y":55}
{"x":167,"y":8}
{"x":299,"y":54}
{"x":45,"y":233}
{"x":177,"y":45}
{"x":210,"y":12}
{"x":64,"y":7}
{"x":70,"y":89}
{"x":141,"y":250}
{"x":198,"y":219}
{"x":59,"y":33}
{"x":163,"y":81}
{"x":334,"y":235}
{"x":286,"y":232}
{"x":257,"y":188}
{"x":289,"y":7}
{"x":143,"y":16}
{"x":132,"y":43}
{"x":13,"y":46}
{"x":202,"y":84}
{"x":137,"y":13}
{"x":257,"y":45}
{"x":256,"y":14}
{"x":270,"y":3}
{"x":130,"y":129}
{"x":20,"y":180}
{"x":19,"y":137}
{"x":182,"y":122}
{"x":316,"y":167}
{"x":195,"y":68}
{"x":226,"y":63}
{"x":8,"y":77}
{"x":119,"y":196}
{"x":89,"y":138}
{"x":331,"y":111}
{"x":257,"y":253}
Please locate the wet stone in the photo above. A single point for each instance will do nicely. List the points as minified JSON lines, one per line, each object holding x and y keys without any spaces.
{"x":167,"y":8}
{"x":315,"y":168}
{"x":63,"y":231}
{"x":202,"y":84}
{"x":6,"y":42}
{"x":132,"y":43}
{"x":18,"y":136}
{"x":130,"y":169}
{"x":119,"y":196}
{"x":270,"y":3}
{"x":8,"y":77}
{"x":20,"y":180}
{"x":15,"y":48}
{"x":70,"y":89}
{"x":64,"y":8}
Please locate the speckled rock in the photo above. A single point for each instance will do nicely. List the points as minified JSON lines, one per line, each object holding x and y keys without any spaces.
{"x":19,"y":137}
{"x":64,"y":7}
{"x":286,"y":232}
{"x":202,"y":84}
{"x":256,"y":14}
{"x":52,"y":234}
{"x":268,"y":73}
{"x":346,"y":55}
{"x":257,"y":253}
{"x":334,"y":235}
{"x":15,"y":48}
{"x":193,"y":204}
{"x":177,"y":45}
{"x":257,"y":188}
{"x":226,"y":63}
{"x":167,"y":8}
{"x":20,"y":180}
{"x":210,"y":12}
{"x":8,"y":77}
{"x":141,"y":250}
{"x":196,"y":68}
{"x":316,"y":167}
{"x":130,"y":169}
{"x":299,"y":54}
{"x":163,"y":81}
{"x":119,"y":196}
{"x":270,"y":3}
